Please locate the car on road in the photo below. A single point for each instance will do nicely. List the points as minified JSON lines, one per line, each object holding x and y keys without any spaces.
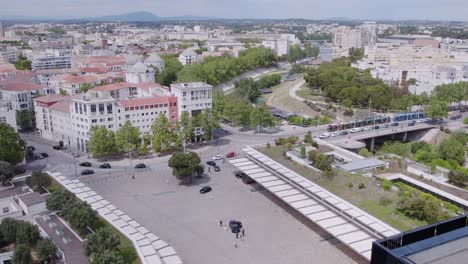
{"x":105,"y":166}
{"x":57,"y":147}
{"x":412,"y":123}
{"x":355,"y":130}
{"x":343,"y":133}
{"x":140,"y":166}
{"x":75,"y":154}
{"x":216,"y":168}
{"x":455,"y":117}
{"x":31,"y":148}
{"x":87,"y":172}
{"x":368,"y":128}
{"x":45,"y":155}
{"x":211,"y":163}
{"x":205,"y":189}
{"x":231,"y":154}
{"x":334,"y":134}
{"x":394,"y":124}
{"x":385,"y":126}
{"x":376,"y":127}
{"x":85,"y":164}
{"x":38,"y":157}
{"x":324,"y":135}
{"x":218,"y":157}
{"x":239,"y":174}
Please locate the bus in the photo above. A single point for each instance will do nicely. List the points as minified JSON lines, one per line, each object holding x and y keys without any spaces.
{"x":408,"y":116}
{"x":358,"y":123}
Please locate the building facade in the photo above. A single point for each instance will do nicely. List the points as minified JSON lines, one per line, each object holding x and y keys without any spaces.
{"x":192,"y":98}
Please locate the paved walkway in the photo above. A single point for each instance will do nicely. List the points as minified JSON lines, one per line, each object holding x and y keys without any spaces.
{"x":149,"y":247}
{"x":346,"y":222}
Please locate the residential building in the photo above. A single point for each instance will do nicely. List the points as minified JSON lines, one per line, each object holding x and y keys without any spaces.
{"x":279,"y":46}
{"x":50,"y":59}
{"x":346,"y":38}
{"x":188,"y":56}
{"x":154,"y":60}
{"x":139,"y":73}
{"x":8,"y":116}
{"x":18,"y":95}
{"x":368,"y":34}
{"x":53,"y":117}
{"x":192,"y":97}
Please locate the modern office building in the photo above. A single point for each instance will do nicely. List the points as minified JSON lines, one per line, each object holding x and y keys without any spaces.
{"x":51,"y":59}
{"x":445,"y":242}
{"x":192,"y":97}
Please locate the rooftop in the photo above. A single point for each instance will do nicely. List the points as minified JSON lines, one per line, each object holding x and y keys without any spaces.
{"x":50,"y":98}
{"x":190,"y":85}
{"x":62,"y":106}
{"x":19,"y":86}
{"x":357,"y":165}
{"x":32,"y":198}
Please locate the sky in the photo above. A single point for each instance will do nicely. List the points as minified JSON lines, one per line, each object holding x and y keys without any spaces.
{"x":309,"y":9}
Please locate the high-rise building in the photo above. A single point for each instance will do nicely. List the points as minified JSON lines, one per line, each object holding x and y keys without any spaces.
{"x":369,"y":34}
{"x":2,"y":31}
{"x":346,"y":38}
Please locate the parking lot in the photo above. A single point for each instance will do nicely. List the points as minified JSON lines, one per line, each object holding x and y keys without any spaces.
{"x":189,"y":221}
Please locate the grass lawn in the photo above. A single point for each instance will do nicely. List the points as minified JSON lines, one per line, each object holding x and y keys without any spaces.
{"x":126,"y":248}
{"x":346,"y":186}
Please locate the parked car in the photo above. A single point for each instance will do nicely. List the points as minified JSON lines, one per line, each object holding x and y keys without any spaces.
{"x":324,"y":135}
{"x":343,"y":133}
{"x":86,"y":172}
{"x":75,"y":154}
{"x":231,"y":154}
{"x":412,"y":123}
{"x":57,"y":147}
{"x":32,"y":148}
{"x":367,"y":128}
{"x":385,"y":126}
{"x":140,"y":166}
{"x":356,"y":129}
{"x":334,"y":134}
{"x":218,"y":157}
{"x":394,"y":124}
{"x":376,"y":127}
{"x":45,"y":155}
{"x":38,"y":157}
{"x":205,"y":189}
{"x":235,"y":226}
{"x":105,"y":166}
{"x":239,"y":174}
{"x":216,"y":168}
{"x":211,"y":163}
{"x":85,"y":164}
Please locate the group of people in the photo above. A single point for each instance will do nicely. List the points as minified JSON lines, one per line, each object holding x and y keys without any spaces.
{"x":239,"y":234}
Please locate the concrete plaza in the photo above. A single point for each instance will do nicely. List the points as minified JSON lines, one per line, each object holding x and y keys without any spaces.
{"x":189,"y":221}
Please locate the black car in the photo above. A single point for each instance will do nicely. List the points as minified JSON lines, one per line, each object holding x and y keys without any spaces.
{"x":376,"y":127}
{"x":31,"y":148}
{"x":216,"y":168}
{"x":85,"y":164}
{"x":211,"y":163}
{"x":412,"y":123}
{"x":239,"y":174}
{"x":38,"y":157}
{"x":140,"y":166}
{"x":86,"y":172}
{"x":394,"y":124}
{"x":205,"y":189}
{"x":343,"y":133}
{"x":57,"y":147}
{"x":105,"y":166}
{"x":235,"y":226}
{"x":45,"y":155}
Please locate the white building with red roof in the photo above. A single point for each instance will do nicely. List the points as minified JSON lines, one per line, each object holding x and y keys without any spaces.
{"x":53,"y":117}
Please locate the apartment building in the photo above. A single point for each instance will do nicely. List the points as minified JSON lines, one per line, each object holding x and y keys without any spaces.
{"x":279,"y":46}
{"x":53,"y":117}
{"x":154,"y":60}
{"x":139,"y":73}
{"x":346,"y":38}
{"x":50,"y":59}
{"x":8,"y":116}
{"x":188,"y":56}
{"x":192,"y":97}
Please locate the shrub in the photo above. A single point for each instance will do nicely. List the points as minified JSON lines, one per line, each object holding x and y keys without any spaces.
{"x":329,"y":173}
{"x":384,"y":201}
{"x":350,"y":185}
{"x":386,"y":185}
{"x":303,"y":152}
{"x":292,"y":139}
{"x":361,"y":185}
{"x":268,"y":145}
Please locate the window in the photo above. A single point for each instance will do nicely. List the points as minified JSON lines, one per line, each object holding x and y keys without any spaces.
{"x":94,"y":121}
{"x":109,"y":108}
{"x":93,"y":108}
{"x":109,"y":119}
{"x":6,"y":210}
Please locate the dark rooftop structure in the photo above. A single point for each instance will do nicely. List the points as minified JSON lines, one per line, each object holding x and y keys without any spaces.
{"x":445,"y":242}
{"x":32,"y":198}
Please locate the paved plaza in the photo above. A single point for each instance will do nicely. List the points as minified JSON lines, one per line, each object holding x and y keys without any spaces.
{"x":189,"y":221}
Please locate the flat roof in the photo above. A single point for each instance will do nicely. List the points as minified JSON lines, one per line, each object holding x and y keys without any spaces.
{"x":363,"y":164}
{"x":452,"y":252}
{"x":32,"y":198}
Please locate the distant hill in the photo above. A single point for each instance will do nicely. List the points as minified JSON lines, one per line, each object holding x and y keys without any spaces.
{"x":142,"y":16}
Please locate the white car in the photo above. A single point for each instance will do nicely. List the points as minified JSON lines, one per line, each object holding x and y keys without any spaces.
{"x":75,"y":154}
{"x":368,"y":128}
{"x":218,"y":157}
{"x":324,"y":135}
{"x":334,"y":134}
{"x":355,"y":130}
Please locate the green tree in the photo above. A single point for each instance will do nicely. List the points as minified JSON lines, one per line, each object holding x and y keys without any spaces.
{"x":465,"y":121}
{"x":22,"y":255}
{"x":183,"y":165}
{"x":247,"y":89}
{"x":58,"y":199}
{"x":102,"y":142}
{"x":7,"y":172}
{"x":46,"y":251}
{"x":22,"y":63}
{"x":296,"y":68}
{"x":295,"y":53}
{"x":365,"y":153}
{"x":79,"y":214}
{"x":169,"y":74}
{"x":163,"y":134}
{"x":436,"y":109}
{"x":260,"y":116}
{"x":25,"y":119}
{"x":9,"y":229}
{"x":452,"y":149}
{"x":85,"y":87}
{"x":27,"y":233}
{"x":107,"y":257}
{"x":356,"y":54}
{"x":104,"y":239}
{"x":199,"y":170}
{"x":303,"y":152}
{"x":62,"y":92}
{"x":11,"y":145}
{"x":128,"y":137}
{"x":38,"y":180}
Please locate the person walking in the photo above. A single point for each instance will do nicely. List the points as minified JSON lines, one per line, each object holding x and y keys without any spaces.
{"x":235,"y":244}
{"x":220,"y":223}
{"x":237,"y":235}
{"x":225,"y":227}
{"x":243,"y":232}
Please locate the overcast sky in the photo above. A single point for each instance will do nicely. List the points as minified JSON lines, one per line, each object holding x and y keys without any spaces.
{"x":311,"y":9}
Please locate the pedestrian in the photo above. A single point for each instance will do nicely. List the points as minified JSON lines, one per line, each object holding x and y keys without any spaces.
{"x":235,"y":244}
{"x":133,"y":176}
{"x":221,"y":223}
{"x":209,"y":170}
{"x":225,"y":227}
{"x":243,"y":232}
{"x":237,"y":235}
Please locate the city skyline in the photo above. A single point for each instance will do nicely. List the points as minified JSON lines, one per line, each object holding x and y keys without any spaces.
{"x":452,"y":10}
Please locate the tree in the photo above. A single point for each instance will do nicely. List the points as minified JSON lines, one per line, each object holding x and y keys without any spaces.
{"x":169,"y":74}
{"x":27,"y":233}
{"x":465,"y":121}
{"x":356,"y":54}
{"x":58,"y":199}
{"x":38,"y":180}
{"x":11,"y":145}
{"x":303,"y":152}
{"x":247,"y":89}
{"x":104,"y":239}
{"x":261,"y":116}
{"x":22,"y":255}
{"x":436,"y":109}
{"x":183,"y":164}
{"x":85,"y":87}
{"x":128,"y":137}
{"x":24,"y":118}
{"x":296,"y":68}
{"x":6,"y":172}
{"x":9,"y":229}
{"x":107,"y":257}
{"x":199,"y":169}
{"x":79,"y":214}
{"x":163,"y":135}
{"x":452,"y":149}
{"x":22,"y":63}
{"x":46,"y":251}
{"x":63,"y":92}
{"x":365,"y":153}
{"x":102,"y":142}
{"x":295,"y":53}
